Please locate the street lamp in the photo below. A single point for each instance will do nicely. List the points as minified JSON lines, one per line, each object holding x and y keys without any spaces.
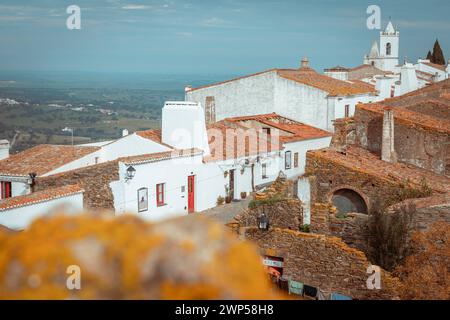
{"x":130,"y":173}
{"x":263,"y":222}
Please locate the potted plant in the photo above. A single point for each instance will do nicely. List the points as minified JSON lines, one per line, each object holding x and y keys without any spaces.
{"x":220,"y":200}
{"x":243,"y":195}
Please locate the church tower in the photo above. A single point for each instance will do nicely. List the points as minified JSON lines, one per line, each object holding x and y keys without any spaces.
{"x":389,"y":48}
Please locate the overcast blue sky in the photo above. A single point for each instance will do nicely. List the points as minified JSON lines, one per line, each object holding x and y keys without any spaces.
{"x":208,"y":36}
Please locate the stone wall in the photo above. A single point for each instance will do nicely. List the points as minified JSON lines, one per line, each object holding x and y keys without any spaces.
{"x":414,"y":145}
{"x":351,"y":228}
{"x":286,"y":214}
{"x":94,"y":179}
{"x":344,"y":133}
{"x":323,"y":262}
{"x":329,"y":176}
{"x":427,"y":211}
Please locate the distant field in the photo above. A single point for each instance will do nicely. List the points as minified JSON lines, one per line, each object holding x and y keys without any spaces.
{"x":38,"y":116}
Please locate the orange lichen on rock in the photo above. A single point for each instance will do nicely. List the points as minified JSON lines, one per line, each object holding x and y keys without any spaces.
{"x":127,"y":258}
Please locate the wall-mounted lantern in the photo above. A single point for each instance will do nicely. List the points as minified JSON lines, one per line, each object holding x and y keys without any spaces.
{"x":263,"y":222}
{"x":130,"y":173}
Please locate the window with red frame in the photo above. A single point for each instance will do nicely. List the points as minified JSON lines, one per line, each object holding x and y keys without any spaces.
{"x":160,"y":201}
{"x":5,"y":190}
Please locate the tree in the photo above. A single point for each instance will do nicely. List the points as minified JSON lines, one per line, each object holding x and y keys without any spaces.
{"x":425,"y":272}
{"x":438,"y":56}
{"x":389,"y":234}
{"x":429,"y":56}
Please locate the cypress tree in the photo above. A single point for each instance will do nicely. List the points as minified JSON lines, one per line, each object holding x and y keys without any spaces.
{"x":438,"y":56}
{"x":429,"y":56}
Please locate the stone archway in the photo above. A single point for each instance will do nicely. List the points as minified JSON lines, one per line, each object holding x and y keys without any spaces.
{"x":347,"y":200}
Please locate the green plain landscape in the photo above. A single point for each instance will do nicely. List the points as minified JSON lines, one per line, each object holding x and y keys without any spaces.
{"x":36,"y":107}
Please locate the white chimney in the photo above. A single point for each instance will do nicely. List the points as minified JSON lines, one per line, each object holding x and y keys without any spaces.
{"x":183,"y":126}
{"x":408,"y":78}
{"x":384,"y":86}
{"x":304,"y":63}
{"x":4,"y":149}
{"x":125,"y":132}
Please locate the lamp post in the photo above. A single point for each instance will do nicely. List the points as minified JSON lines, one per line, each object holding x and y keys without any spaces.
{"x":263,"y":222}
{"x":131,"y":171}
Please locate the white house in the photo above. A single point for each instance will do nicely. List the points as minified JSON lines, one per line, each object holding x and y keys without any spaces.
{"x":300,"y":94}
{"x":19,"y":212}
{"x":242,"y":154}
{"x":18,"y":171}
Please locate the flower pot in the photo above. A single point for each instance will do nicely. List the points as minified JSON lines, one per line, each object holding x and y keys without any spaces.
{"x":228,"y":199}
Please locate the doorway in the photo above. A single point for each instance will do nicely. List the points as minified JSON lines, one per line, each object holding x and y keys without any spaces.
{"x":232,"y":183}
{"x":191,"y":194}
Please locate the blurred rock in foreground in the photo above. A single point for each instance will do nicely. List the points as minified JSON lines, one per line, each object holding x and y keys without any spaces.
{"x":126,"y":258}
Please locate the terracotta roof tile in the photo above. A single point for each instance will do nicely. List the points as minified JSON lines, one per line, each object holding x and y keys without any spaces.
{"x":236,"y":142}
{"x":296,"y":131}
{"x":411,"y":118}
{"x":42,"y":159}
{"x":361,"y":160}
{"x":40,"y":196}
{"x":334,"y":87}
{"x":310,"y":77}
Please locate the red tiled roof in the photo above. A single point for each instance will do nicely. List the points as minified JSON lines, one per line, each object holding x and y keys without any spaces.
{"x":159,"y":156}
{"x":42,"y":159}
{"x":411,"y":118}
{"x":309,"y":77}
{"x":361,"y":160}
{"x":333,"y":86}
{"x":297,"y":131}
{"x":40,"y":196}
{"x":151,"y":134}
{"x":236,"y":142}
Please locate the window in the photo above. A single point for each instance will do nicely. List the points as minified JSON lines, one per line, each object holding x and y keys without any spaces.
{"x":287,"y":160}
{"x":388,"y":49}
{"x":5,"y":190}
{"x":347,"y":110}
{"x":142,"y":199}
{"x":296,"y":160}
{"x":160,"y":190}
{"x":266,"y":131}
{"x":264,"y":171}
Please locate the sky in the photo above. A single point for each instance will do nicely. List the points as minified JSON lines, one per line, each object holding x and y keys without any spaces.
{"x":208,"y":36}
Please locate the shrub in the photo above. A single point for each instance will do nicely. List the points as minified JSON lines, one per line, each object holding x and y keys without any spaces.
{"x":220,"y":200}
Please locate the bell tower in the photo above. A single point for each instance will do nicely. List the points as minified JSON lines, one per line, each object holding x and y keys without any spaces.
{"x":389,"y":48}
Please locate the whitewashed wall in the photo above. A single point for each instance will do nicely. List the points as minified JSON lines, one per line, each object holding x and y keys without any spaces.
{"x":130,"y":145}
{"x":301,"y":103}
{"x":246,"y":96}
{"x":301,"y":147}
{"x":20,"y":218}
{"x":173,"y":172}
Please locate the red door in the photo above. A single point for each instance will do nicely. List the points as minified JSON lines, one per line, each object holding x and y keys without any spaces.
{"x":191,"y":193}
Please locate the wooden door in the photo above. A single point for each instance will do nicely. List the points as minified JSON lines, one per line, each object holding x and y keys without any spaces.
{"x":191,"y":194}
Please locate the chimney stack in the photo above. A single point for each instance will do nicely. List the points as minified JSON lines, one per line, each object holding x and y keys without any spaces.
{"x":4,"y":149}
{"x":210,"y":110}
{"x":304,"y":63}
{"x":387,"y":143}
